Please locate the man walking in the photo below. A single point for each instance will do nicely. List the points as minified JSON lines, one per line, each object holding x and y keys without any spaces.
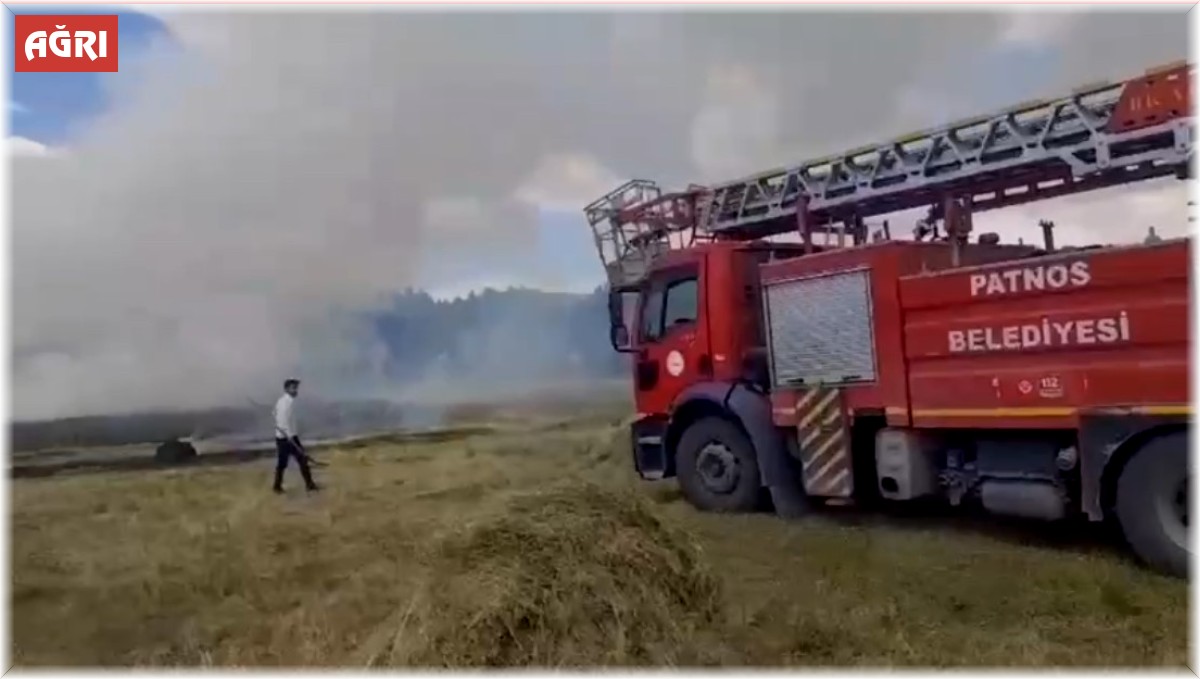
{"x":287,"y":438}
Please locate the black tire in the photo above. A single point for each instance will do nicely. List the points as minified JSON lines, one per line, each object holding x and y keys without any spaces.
{"x":717,"y":467}
{"x":1145,"y":503}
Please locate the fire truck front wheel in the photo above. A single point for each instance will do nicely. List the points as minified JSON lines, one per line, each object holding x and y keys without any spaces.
{"x":717,"y":467}
{"x":1152,"y":503}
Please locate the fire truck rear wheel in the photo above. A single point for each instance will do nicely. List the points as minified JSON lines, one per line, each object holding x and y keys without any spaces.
{"x":717,"y":467}
{"x":1152,"y":503}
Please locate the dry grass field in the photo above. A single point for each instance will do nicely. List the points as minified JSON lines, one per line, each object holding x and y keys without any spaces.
{"x":532,"y":544}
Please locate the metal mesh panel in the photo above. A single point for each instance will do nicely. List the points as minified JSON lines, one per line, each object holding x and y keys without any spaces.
{"x":821,"y":331}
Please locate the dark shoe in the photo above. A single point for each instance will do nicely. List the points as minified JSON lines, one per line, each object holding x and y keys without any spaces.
{"x":277,"y":490}
{"x":313,"y":488}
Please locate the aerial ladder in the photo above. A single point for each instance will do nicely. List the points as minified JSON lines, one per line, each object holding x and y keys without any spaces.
{"x":1099,"y":135}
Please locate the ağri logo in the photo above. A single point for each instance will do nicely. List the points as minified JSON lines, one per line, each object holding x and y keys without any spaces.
{"x":57,"y":43}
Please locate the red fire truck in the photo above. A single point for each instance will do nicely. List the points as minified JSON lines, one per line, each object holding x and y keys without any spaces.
{"x":783,"y":355}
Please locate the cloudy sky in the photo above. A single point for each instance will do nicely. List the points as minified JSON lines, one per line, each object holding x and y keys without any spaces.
{"x":195,"y":226}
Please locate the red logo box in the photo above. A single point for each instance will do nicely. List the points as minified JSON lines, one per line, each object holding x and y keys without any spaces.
{"x":65,"y":43}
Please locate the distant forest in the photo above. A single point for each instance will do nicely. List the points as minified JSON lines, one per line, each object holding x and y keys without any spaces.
{"x":513,"y":334}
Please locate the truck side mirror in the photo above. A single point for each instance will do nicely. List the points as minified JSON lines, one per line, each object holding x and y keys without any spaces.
{"x":620,"y":338}
{"x":618,"y":334}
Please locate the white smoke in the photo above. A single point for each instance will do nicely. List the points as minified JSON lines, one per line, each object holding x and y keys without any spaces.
{"x":246,"y":196}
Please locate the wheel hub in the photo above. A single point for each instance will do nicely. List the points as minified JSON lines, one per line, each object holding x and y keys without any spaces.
{"x":718,"y":467}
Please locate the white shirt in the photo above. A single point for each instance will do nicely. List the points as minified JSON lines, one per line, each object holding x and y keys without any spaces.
{"x":285,"y":417}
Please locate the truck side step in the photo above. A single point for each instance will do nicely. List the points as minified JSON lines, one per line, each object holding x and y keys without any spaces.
{"x":649,"y":450}
{"x":824,"y":443}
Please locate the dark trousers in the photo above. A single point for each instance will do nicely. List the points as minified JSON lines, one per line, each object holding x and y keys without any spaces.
{"x":291,"y":448}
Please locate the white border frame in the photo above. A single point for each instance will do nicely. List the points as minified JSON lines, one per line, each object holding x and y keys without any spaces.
{"x":1193,"y":18}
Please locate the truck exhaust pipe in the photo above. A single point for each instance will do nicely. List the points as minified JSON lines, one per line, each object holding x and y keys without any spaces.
{"x":1047,"y":234}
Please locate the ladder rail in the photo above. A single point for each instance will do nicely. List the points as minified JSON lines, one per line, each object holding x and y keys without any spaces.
{"x":1073,"y":133}
{"x":1100,"y":135}
{"x":769,"y":200}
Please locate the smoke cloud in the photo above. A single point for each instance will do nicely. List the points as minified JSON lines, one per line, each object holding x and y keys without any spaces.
{"x":256,"y":187}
